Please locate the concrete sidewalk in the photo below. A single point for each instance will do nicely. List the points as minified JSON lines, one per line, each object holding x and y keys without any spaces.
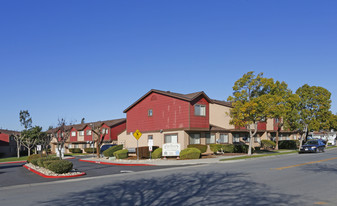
{"x":161,"y":162}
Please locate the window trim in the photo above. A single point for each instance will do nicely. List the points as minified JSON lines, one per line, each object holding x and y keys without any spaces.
{"x":171,"y":134}
{"x":200,"y":105}
{"x":227,"y":138}
{"x":193,"y":138}
{"x":150,"y":112}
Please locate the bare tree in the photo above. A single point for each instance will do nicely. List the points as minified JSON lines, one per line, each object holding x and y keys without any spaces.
{"x":62,"y":135}
{"x":18,"y":139}
{"x":29,"y":143}
{"x":44,"y":140}
{"x":100,"y":134}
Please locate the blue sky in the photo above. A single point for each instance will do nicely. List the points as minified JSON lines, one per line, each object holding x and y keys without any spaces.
{"x":92,"y":59}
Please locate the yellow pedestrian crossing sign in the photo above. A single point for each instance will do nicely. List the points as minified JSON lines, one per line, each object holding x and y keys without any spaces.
{"x":137,"y":134}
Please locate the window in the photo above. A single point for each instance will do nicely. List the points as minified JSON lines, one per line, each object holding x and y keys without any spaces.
{"x":236,"y":138}
{"x":149,"y":137}
{"x":84,"y":146}
{"x":257,"y":138}
{"x":223,"y":138}
{"x":76,"y":146}
{"x":81,"y":133}
{"x":194,"y":138}
{"x":210,"y":138}
{"x":171,"y":138}
{"x":73,"y":134}
{"x":149,"y":113}
{"x":105,"y":131}
{"x":88,"y":132}
{"x":199,"y":110}
{"x":70,"y":146}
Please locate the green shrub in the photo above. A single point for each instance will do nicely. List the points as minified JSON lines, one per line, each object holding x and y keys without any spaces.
{"x":190,"y":153}
{"x":34,"y":161}
{"x":110,"y":152}
{"x":48,"y":162}
{"x":34,"y":156}
{"x":60,"y":166}
{"x":121,"y":154}
{"x":215,"y":147}
{"x":156,"y":154}
{"x":201,"y":147}
{"x":288,"y":144}
{"x":90,"y":150}
{"x":75,"y":150}
{"x":241,"y":148}
{"x":268,"y":144}
{"x":144,"y":151}
{"x":41,"y":160}
{"x":228,"y":148}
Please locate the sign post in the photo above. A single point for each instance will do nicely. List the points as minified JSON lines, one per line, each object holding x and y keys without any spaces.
{"x":137,"y":134}
{"x":150,"y":144}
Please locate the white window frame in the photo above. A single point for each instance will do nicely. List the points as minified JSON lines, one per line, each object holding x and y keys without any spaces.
{"x":88,"y":132}
{"x":200,"y":110}
{"x":73,"y":133}
{"x":225,"y":140}
{"x":195,"y":138}
{"x":81,"y":133}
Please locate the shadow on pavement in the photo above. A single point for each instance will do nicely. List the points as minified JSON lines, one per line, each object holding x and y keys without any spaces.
{"x":181,"y":189}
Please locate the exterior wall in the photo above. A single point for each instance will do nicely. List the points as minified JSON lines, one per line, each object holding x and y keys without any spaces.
{"x":4,"y":139}
{"x":87,"y":137}
{"x":199,"y":121}
{"x":108,"y":135}
{"x":73,"y":138}
{"x":270,"y":124}
{"x":219,"y":116}
{"x":167,"y":113}
{"x":129,"y":141}
{"x":262,"y":126}
{"x":116,"y":130}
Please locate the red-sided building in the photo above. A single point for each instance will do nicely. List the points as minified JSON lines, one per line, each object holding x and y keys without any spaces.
{"x":7,"y":143}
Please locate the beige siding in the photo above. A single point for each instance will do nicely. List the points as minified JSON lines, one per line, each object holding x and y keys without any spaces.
{"x":270,"y":124}
{"x":219,"y":116}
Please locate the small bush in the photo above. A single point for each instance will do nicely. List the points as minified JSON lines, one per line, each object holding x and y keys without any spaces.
{"x":48,"y":162}
{"x":241,"y":148}
{"x":75,"y":150}
{"x":190,"y":153}
{"x":288,"y":144}
{"x":215,"y":147}
{"x":268,"y":144}
{"x":34,"y":156}
{"x":144,"y":151}
{"x":110,"y":152}
{"x":121,"y":154}
{"x":90,"y":150}
{"x":200,"y":147}
{"x":156,"y":154}
{"x":228,"y":148}
{"x":34,"y":161}
{"x":41,"y":160}
{"x":60,"y":166}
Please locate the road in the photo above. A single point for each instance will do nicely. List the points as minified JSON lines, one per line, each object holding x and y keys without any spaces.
{"x":306,"y":179}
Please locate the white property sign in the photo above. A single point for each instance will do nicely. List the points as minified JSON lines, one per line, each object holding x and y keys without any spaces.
{"x":171,"y":149}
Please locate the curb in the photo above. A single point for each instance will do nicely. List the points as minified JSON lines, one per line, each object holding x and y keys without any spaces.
{"x":48,"y":176}
{"x":118,"y":164}
{"x":1,"y":163}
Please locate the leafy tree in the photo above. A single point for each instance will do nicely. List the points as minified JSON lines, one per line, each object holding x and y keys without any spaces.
{"x":314,"y":109}
{"x":251,"y":101}
{"x":44,"y":140}
{"x":25,"y":119}
{"x":283,"y":108}
{"x":18,"y":139}
{"x":31,"y":137}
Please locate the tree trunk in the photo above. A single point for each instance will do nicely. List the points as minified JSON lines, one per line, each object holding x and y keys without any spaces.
{"x":303,"y":135}
{"x":28,"y":152}
{"x":251,"y":138}
{"x":18,"y":151}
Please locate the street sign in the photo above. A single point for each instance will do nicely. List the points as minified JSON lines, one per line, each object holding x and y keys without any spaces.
{"x":150,"y":143}
{"x":137,"y":134}
{"x":150,"y":148}
{"x":38,"y":147}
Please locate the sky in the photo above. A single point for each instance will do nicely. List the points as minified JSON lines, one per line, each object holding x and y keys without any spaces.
{"x":92,"y":59}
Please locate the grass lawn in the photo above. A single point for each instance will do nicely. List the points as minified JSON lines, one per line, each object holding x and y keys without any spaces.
{"x":13,"y":159}
{"x":261,"y":155}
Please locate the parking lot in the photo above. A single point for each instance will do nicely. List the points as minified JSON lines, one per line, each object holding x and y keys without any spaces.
{"x":14,"y":174}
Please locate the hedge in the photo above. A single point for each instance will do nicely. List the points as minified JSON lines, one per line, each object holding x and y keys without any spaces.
{"x":288,"y":144}
{"x":215,"y":147}
{"x":34,"y":156}
{"x":156,"y":154}
{"x":201,"y":147}
{"x":144,"y":151}
{"x":50,"y":158}
{"x":268,"y":144}
{"x":75,"y":150}
{"x":90,"y":150}
{"x":110,"y":152}
{"x":60,"y":166}
{"x":228,"y":148}
{"x":190,"y":153}
{"x":121,"y":154}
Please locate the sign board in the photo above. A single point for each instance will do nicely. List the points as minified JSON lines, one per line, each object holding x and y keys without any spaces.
{"x":137,"y":134}
{"x":150,"y":148}
{"x":150,"y":143}
{"x":38,"y":147}
{"x":171,"y":149}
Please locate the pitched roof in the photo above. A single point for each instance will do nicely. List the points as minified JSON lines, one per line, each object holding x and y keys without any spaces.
{"x":186,"y":97}
{"x":109,"y":123}
{"x":223,"y":103}
{"x":5,"y":131}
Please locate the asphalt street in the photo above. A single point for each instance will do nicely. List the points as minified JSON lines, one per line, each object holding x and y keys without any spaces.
{"x":305,"y":179}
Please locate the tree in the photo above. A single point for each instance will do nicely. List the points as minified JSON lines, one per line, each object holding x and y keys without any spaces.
{"x":250,"y":102}
{"x":18,"y":139}
{"x":314,"y":109}
{"x":25,"y":119}
{"x":283,"y":108}
{"x":31,"y":137}
{"x":44,"y":140}
{"x":62,"y":135}
{"x":100,"y":134}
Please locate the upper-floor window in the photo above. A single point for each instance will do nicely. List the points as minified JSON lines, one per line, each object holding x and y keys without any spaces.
{"x":105,"y":131}
{"x":81,"y":133}
{"x":150,"y":137}
{"x":73,"y":134}
{"x":200,"y":110}
{"x":149,"y":113}
{"x":88,"y":132}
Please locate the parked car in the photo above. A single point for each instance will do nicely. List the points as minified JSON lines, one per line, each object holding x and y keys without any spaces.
{"x":313,"y":146}
{"x":105,"y":147}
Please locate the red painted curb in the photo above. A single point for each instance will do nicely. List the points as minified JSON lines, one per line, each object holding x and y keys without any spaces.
{"x":13,"y":162}
{"x":48,"y":176}
{"x":119,"y":164}
{"x":69,"y":158}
